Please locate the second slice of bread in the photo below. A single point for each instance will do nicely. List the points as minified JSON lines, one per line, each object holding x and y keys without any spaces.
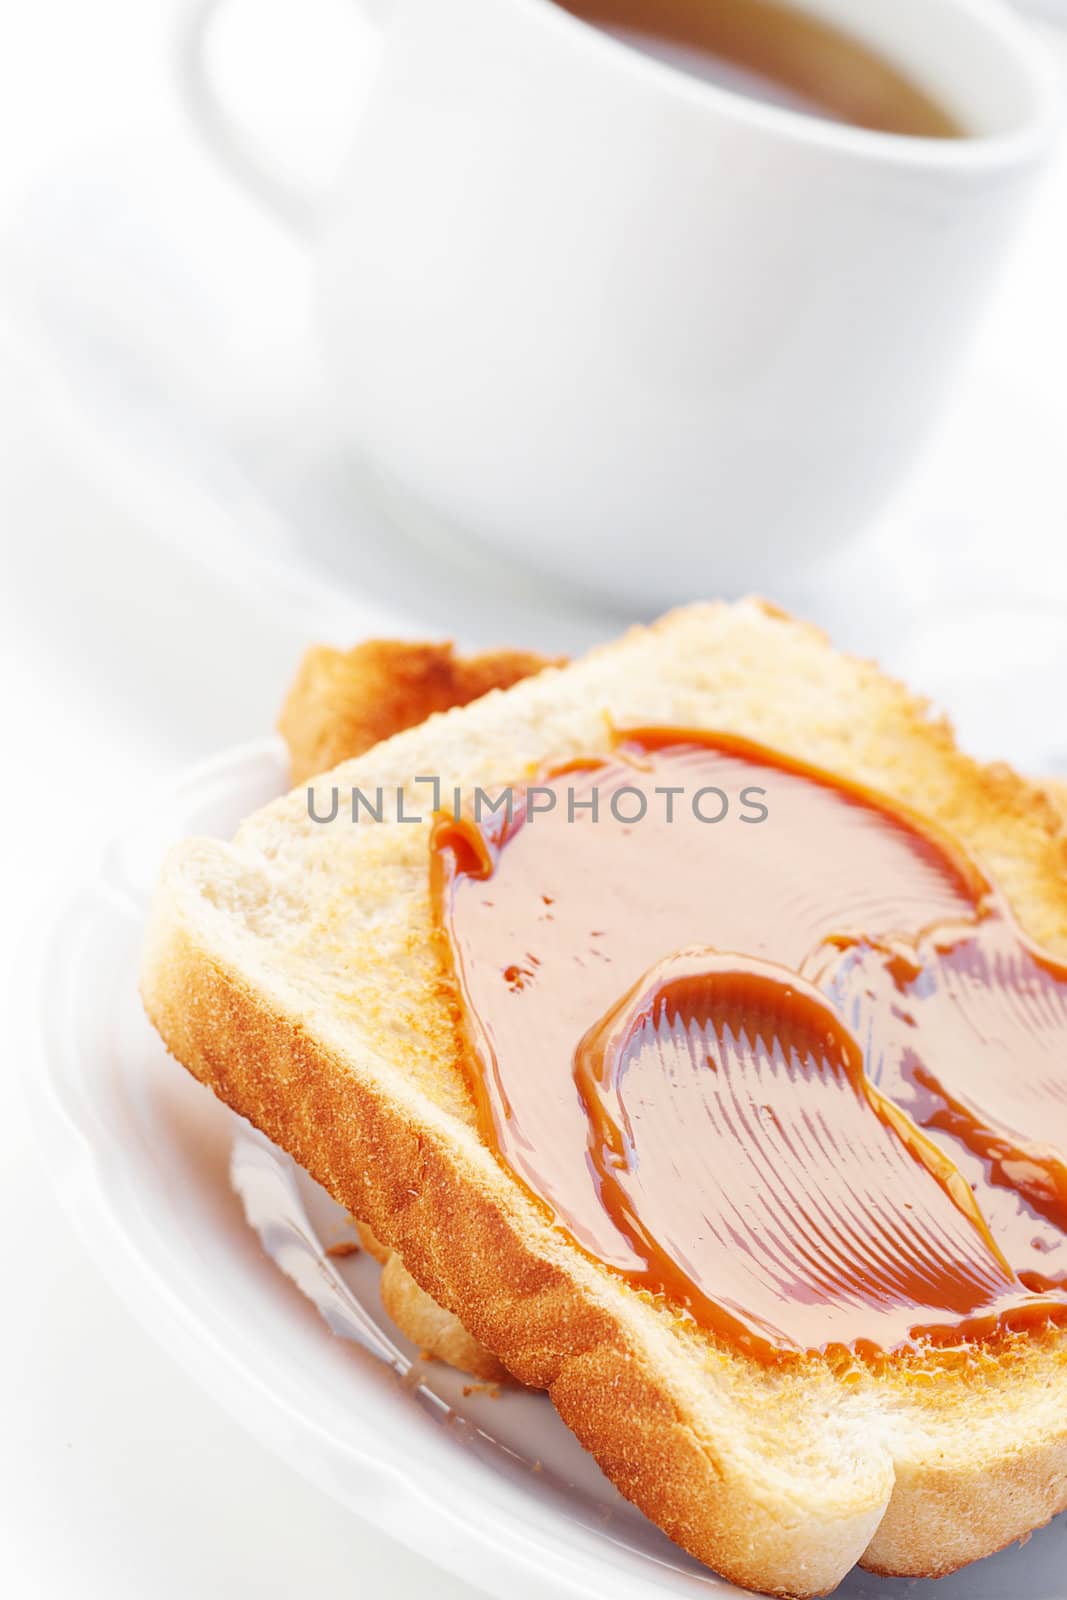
{"x":296,"y":973}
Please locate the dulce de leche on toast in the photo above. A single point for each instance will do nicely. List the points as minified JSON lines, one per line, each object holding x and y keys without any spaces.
{"x":765,"y":1044}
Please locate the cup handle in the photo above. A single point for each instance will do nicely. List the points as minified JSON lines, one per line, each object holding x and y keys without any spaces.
{"x":293,"y":204}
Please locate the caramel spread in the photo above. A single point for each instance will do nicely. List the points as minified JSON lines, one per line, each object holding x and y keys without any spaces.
{"x":691,"y":976}
{"x":967,"y":1032}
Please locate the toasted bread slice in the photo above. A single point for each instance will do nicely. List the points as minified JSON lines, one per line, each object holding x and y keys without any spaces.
{"x":295,"y":971}
{"x":344,"y":701}
{"x":334,"y":711}
{"x":341,"y":703}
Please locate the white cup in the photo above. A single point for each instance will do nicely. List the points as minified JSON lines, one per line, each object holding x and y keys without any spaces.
{"x":645,"y":334}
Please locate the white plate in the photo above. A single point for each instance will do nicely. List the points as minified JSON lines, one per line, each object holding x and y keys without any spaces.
{"x":494,"y":1489}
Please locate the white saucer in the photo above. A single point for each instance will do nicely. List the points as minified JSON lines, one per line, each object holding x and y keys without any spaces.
{"x":494,"y":1489}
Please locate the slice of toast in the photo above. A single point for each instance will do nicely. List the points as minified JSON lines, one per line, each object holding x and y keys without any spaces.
{"x":296,"y":972}
{"x":336,"y":710}
{"x":344,"y":701}
{"x":341,"y":703}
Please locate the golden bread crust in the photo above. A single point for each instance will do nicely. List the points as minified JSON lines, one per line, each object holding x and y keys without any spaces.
{"x":344,"y":701}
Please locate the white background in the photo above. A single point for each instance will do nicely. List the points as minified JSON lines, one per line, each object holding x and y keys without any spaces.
{"x":136,"y":637}
{"x":117,"y":1477}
